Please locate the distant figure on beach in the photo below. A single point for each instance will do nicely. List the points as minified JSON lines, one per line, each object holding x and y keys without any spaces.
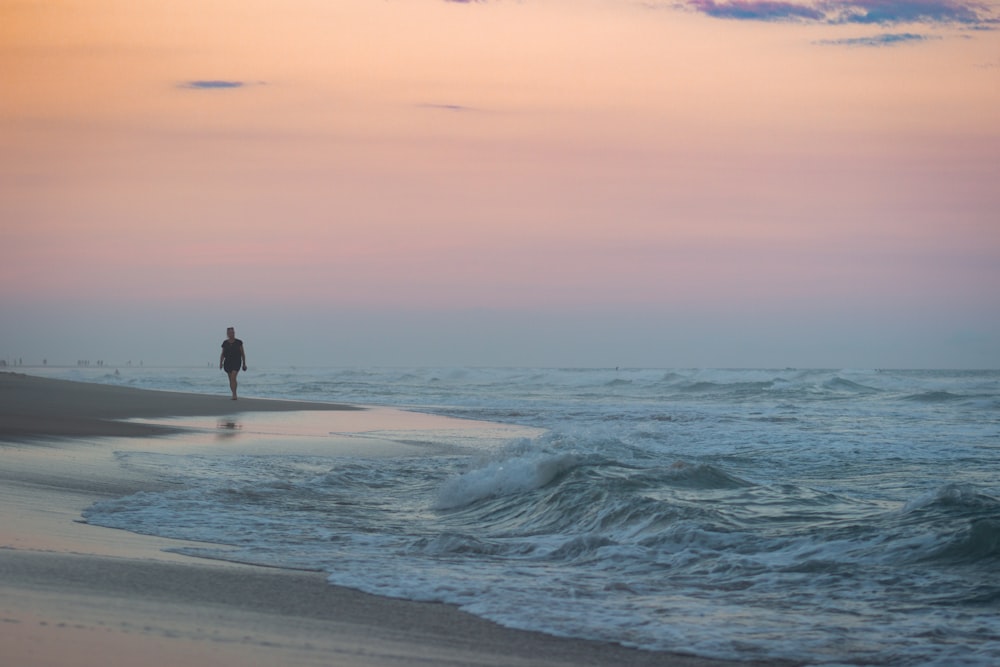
{"x":232,"y":358}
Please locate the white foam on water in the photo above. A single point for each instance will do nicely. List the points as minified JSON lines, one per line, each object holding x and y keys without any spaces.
{"x":827,"y":516}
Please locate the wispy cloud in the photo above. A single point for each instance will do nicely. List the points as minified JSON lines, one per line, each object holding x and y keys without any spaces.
{"x":904,"y":11}
{"x":212,"y":84}
{"x":757,"y":10}
{"x":446,"y":107}
{"x":878,"y":12}
{"x":887,"y":39}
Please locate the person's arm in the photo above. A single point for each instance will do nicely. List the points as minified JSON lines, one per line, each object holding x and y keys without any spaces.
{"x":243,"y":355}
{"x":222,"y":357}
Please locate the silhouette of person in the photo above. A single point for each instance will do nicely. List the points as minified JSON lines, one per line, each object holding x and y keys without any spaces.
{"x":232,"y":358}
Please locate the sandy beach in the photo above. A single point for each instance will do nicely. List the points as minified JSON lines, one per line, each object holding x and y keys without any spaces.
{"x":78,"y":595}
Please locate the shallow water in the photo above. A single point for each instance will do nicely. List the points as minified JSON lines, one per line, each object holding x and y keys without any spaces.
{"x":847,"y":517}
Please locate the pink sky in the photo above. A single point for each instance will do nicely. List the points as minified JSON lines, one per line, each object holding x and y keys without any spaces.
{"x":600,"y":182}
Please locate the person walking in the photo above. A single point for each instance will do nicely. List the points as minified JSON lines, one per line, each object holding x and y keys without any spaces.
{"x":232,"y":358}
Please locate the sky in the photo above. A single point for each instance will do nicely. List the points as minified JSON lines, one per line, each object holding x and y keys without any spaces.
{"x":553,"y":183}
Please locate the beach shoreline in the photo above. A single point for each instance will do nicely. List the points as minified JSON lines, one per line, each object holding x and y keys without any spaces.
{"x":78,"y":595}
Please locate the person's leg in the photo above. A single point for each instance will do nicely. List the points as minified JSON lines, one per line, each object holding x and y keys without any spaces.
{"x":232,"y":382}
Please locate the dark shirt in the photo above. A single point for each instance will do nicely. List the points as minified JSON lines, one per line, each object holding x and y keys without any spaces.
{"x":233,"y":353}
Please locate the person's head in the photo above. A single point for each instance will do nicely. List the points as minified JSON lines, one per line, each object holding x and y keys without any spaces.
{"x":231,"y":333}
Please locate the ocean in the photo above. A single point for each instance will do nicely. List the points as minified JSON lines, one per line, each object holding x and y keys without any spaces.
{"x":835,"y":517}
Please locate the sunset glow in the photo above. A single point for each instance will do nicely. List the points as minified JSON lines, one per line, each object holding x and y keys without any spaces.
{"x":650,"y":184}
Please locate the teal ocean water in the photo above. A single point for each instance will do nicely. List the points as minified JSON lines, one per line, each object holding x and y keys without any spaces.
{"x":829,"y":516}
